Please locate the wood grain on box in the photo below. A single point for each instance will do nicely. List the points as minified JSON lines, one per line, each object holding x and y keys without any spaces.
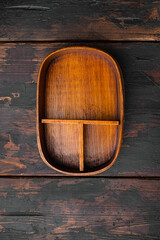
{"x":80,"y":110}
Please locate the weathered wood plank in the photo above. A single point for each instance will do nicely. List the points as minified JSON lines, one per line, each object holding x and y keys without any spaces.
{"x":79,"y":209}
{"x":19,"y":66}
{"x":82,"y":20}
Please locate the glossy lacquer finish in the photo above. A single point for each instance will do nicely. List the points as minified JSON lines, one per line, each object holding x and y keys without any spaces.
{"x":80,"y":110}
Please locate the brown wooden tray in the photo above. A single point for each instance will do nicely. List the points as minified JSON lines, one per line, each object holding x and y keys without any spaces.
{"x":80,"y":110}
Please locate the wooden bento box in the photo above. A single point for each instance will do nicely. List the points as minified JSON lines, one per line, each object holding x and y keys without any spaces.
{"x":80,"y":111}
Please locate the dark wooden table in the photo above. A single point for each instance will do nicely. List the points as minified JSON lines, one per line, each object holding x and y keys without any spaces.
{"x":35,"y":201}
